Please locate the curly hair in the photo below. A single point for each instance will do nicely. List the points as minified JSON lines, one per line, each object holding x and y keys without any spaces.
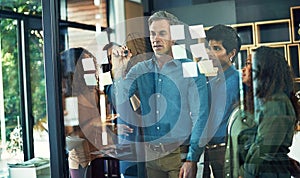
{"x":228,"y":35}
{"x":272,"y":73}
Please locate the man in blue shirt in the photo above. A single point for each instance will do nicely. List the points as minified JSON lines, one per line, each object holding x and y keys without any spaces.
{"x":223,"y":46}
{"x":169,"y":102}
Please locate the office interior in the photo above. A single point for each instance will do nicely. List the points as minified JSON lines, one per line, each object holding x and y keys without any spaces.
{"x":34,"y":33}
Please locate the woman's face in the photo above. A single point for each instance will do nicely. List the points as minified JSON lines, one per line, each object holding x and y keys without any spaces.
{"x":247,"y":72}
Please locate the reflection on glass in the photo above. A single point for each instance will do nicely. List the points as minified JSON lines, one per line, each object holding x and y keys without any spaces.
{"x":83,"y":38}
{"x":87,"y":12}
{"x":38,"y":93}
{"x":11,"y":146}
{"x":32,"y":7}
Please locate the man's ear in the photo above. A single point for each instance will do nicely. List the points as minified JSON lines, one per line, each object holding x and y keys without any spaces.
{"x":232,"y":54}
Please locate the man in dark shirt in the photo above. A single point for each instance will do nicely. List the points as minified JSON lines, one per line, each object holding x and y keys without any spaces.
{"x":223,"y":46}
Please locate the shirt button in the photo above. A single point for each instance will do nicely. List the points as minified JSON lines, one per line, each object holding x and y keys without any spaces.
{"x":159,"y":80}
{"x":157,"y":112}
{"x":227,"y":161}
{"x":227,"y":175}
{"x":157,"y":128}
{"x":158,"y":96}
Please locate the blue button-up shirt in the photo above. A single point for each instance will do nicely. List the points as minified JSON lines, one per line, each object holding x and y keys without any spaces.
{"x":170,"y":103}
{"x":224,"y":95}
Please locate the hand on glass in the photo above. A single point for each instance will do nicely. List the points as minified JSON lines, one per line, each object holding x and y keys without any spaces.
{"x":120,"y":57}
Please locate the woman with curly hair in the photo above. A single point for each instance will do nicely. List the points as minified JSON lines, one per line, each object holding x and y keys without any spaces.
{"x":275,"y":115}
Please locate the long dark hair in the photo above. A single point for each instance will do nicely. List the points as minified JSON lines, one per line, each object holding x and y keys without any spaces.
{"x":273,"y":74}
{"x":248,"y":99}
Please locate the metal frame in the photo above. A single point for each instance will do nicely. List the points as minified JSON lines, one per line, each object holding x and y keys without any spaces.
{"x":51,"y":17}
{"x":26,"y":116}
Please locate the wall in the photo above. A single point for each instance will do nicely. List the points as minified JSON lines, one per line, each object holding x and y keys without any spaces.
{"x":207,"y":14}
{"x":210,"y":12}
{"x":257,"y":10}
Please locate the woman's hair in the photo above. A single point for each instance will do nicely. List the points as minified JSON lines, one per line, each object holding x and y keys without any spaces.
{"x":73,"y":72}
{"x":248,"y":96}
{"x":228,"y":35}
{"x":272,"y":73}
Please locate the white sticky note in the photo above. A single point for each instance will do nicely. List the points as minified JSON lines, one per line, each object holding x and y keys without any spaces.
{"x":104,"y":58}
{"x":199,"y":51}
{"x":102,"y":38}
{"x":197,"y":31}
{"x":177,"y":32}
{"x":88,"y":64}
{"x":189,"y":69}
{"x":179,"y":51}
{"x":206,"y":67}
{"x":71,"y":119}
{"x":105,"y":79}
{"x":90,"y":79}
{"x":214,"y":73}
{"x":101,"y":57}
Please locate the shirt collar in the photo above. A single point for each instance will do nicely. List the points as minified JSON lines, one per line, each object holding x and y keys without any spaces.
{"x":229,"y":71}
{"x":173,"y":61}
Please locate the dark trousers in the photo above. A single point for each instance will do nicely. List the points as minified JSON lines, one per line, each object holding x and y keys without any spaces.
{"x":94,"y":170}
{"x":215,"y":158}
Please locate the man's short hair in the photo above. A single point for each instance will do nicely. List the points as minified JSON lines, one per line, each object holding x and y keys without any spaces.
{"x":164,"y":15}
{"x":228,"y":35}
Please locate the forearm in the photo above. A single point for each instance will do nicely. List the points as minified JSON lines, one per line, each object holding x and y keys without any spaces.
{"x":194,"y":152}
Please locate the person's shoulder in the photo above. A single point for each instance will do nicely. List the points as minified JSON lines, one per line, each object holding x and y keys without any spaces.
{"x":232,"y":75}
{"x":279,"y":97}
{"x":143,"y":64}
{"x":234,"y":71}
{"x":185,"y":60}
{"x":277,"y":103}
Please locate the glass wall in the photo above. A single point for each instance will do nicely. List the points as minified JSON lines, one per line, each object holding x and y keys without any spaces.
{"x":24,"y":128}
{"x":10,"y":95}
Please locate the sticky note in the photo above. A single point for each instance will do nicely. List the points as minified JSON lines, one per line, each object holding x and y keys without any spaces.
{"x":71,"y":119}
{"x":90,"y":79}
{"x":189,"y":69}
{"x":88,"y":64}
{"x":102,"y":38}
{"x":103,"y":59}
{"x":199,"y":51}
{"x":197,"y":31}
{"x":105,"y":79}
{"x":179,"y":51}
{"x":177,"y":32}
{"x":206,"y":67}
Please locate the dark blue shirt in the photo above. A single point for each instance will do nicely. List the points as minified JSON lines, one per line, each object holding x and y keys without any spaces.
{"x":224,"y":94}
{"x":170,"y":103}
